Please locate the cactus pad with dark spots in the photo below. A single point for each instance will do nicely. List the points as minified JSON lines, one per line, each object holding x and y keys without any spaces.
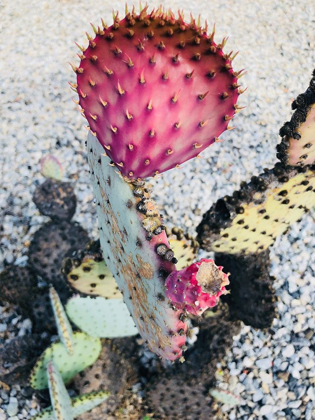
{"x":55,"y":199}
{"x":253,"y":217}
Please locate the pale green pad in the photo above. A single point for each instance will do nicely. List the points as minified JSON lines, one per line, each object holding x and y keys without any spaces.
{"x":63,"y":325}
{"x":79,"y":405}
{"x":100,"y":317}
{"x":59,"y":396}
{"x":86,"y":352}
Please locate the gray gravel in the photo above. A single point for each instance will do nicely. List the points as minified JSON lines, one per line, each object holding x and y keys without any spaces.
{"x":273,"y":372}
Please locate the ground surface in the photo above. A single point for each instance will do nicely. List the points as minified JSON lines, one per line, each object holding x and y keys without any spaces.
{"x":273,"y":372}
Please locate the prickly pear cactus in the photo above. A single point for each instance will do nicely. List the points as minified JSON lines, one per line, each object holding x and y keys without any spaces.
{"x":50,"y":167}
{"x":155,"y":90}
{"x":86,"y":350}
{"x":137,"y":252}
{"x":259,"y":212}
{"x":298,"y":143}
{"x":100,"y":317}
{"x":88,"y":273}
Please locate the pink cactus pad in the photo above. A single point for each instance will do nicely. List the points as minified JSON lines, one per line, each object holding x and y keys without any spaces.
{"x":197,"y":287}
{"x":155,"y":90}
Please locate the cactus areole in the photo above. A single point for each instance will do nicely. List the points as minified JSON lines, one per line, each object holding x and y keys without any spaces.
{"x":155,"y":90}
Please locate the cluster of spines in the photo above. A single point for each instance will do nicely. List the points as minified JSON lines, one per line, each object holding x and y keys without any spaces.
{"x":301,"y":105}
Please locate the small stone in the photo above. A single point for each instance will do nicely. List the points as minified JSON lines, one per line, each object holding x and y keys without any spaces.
{"x":13,"y":407}
{"x":288,"y":351}
{"x":258,"y":396}
{"x":265,"y":410}
{"x":284,"y":375}
{"x":264,"y":363}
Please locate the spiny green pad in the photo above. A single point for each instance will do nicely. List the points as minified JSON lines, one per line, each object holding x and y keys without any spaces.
{"x":79,"y":405}
{"x":59,"y":396}
{"x":86,"y":351}
{"x":137,"y":252}
{"x":184,"y":246}
{"x":298,"y":142}
{"x":50,"y":167}
{"x":88,"y":273}
{"x":100,"y":317}
{"x":63,"y":324}
{"x":225,"y":397}
{"x":259,"y":212}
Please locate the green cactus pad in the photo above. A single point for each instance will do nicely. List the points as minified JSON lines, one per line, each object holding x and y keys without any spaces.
{"x":225,"y":397}
{"x":298,"y":142}
{"x":259,"y":212}
{"x":184,"y":246}
{"x":88,"y":273}
{"x":100,"y":317}
{"x":59,"y":396}
{"x":50,"y":167}
{"x":79,"y":405}
{"x":63,"y":325}
{"x":137,"y":252}
{"x":86,"y":351}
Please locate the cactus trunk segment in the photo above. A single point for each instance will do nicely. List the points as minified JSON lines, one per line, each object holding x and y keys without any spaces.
{"x":252,"y":298}
{"x":100,"y":317}
{"x":156,"y":91}
{"x":137,"y":252}
{"x":59,"y":396}
{"x":251,"y":220}
{"x":298,"y":144}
